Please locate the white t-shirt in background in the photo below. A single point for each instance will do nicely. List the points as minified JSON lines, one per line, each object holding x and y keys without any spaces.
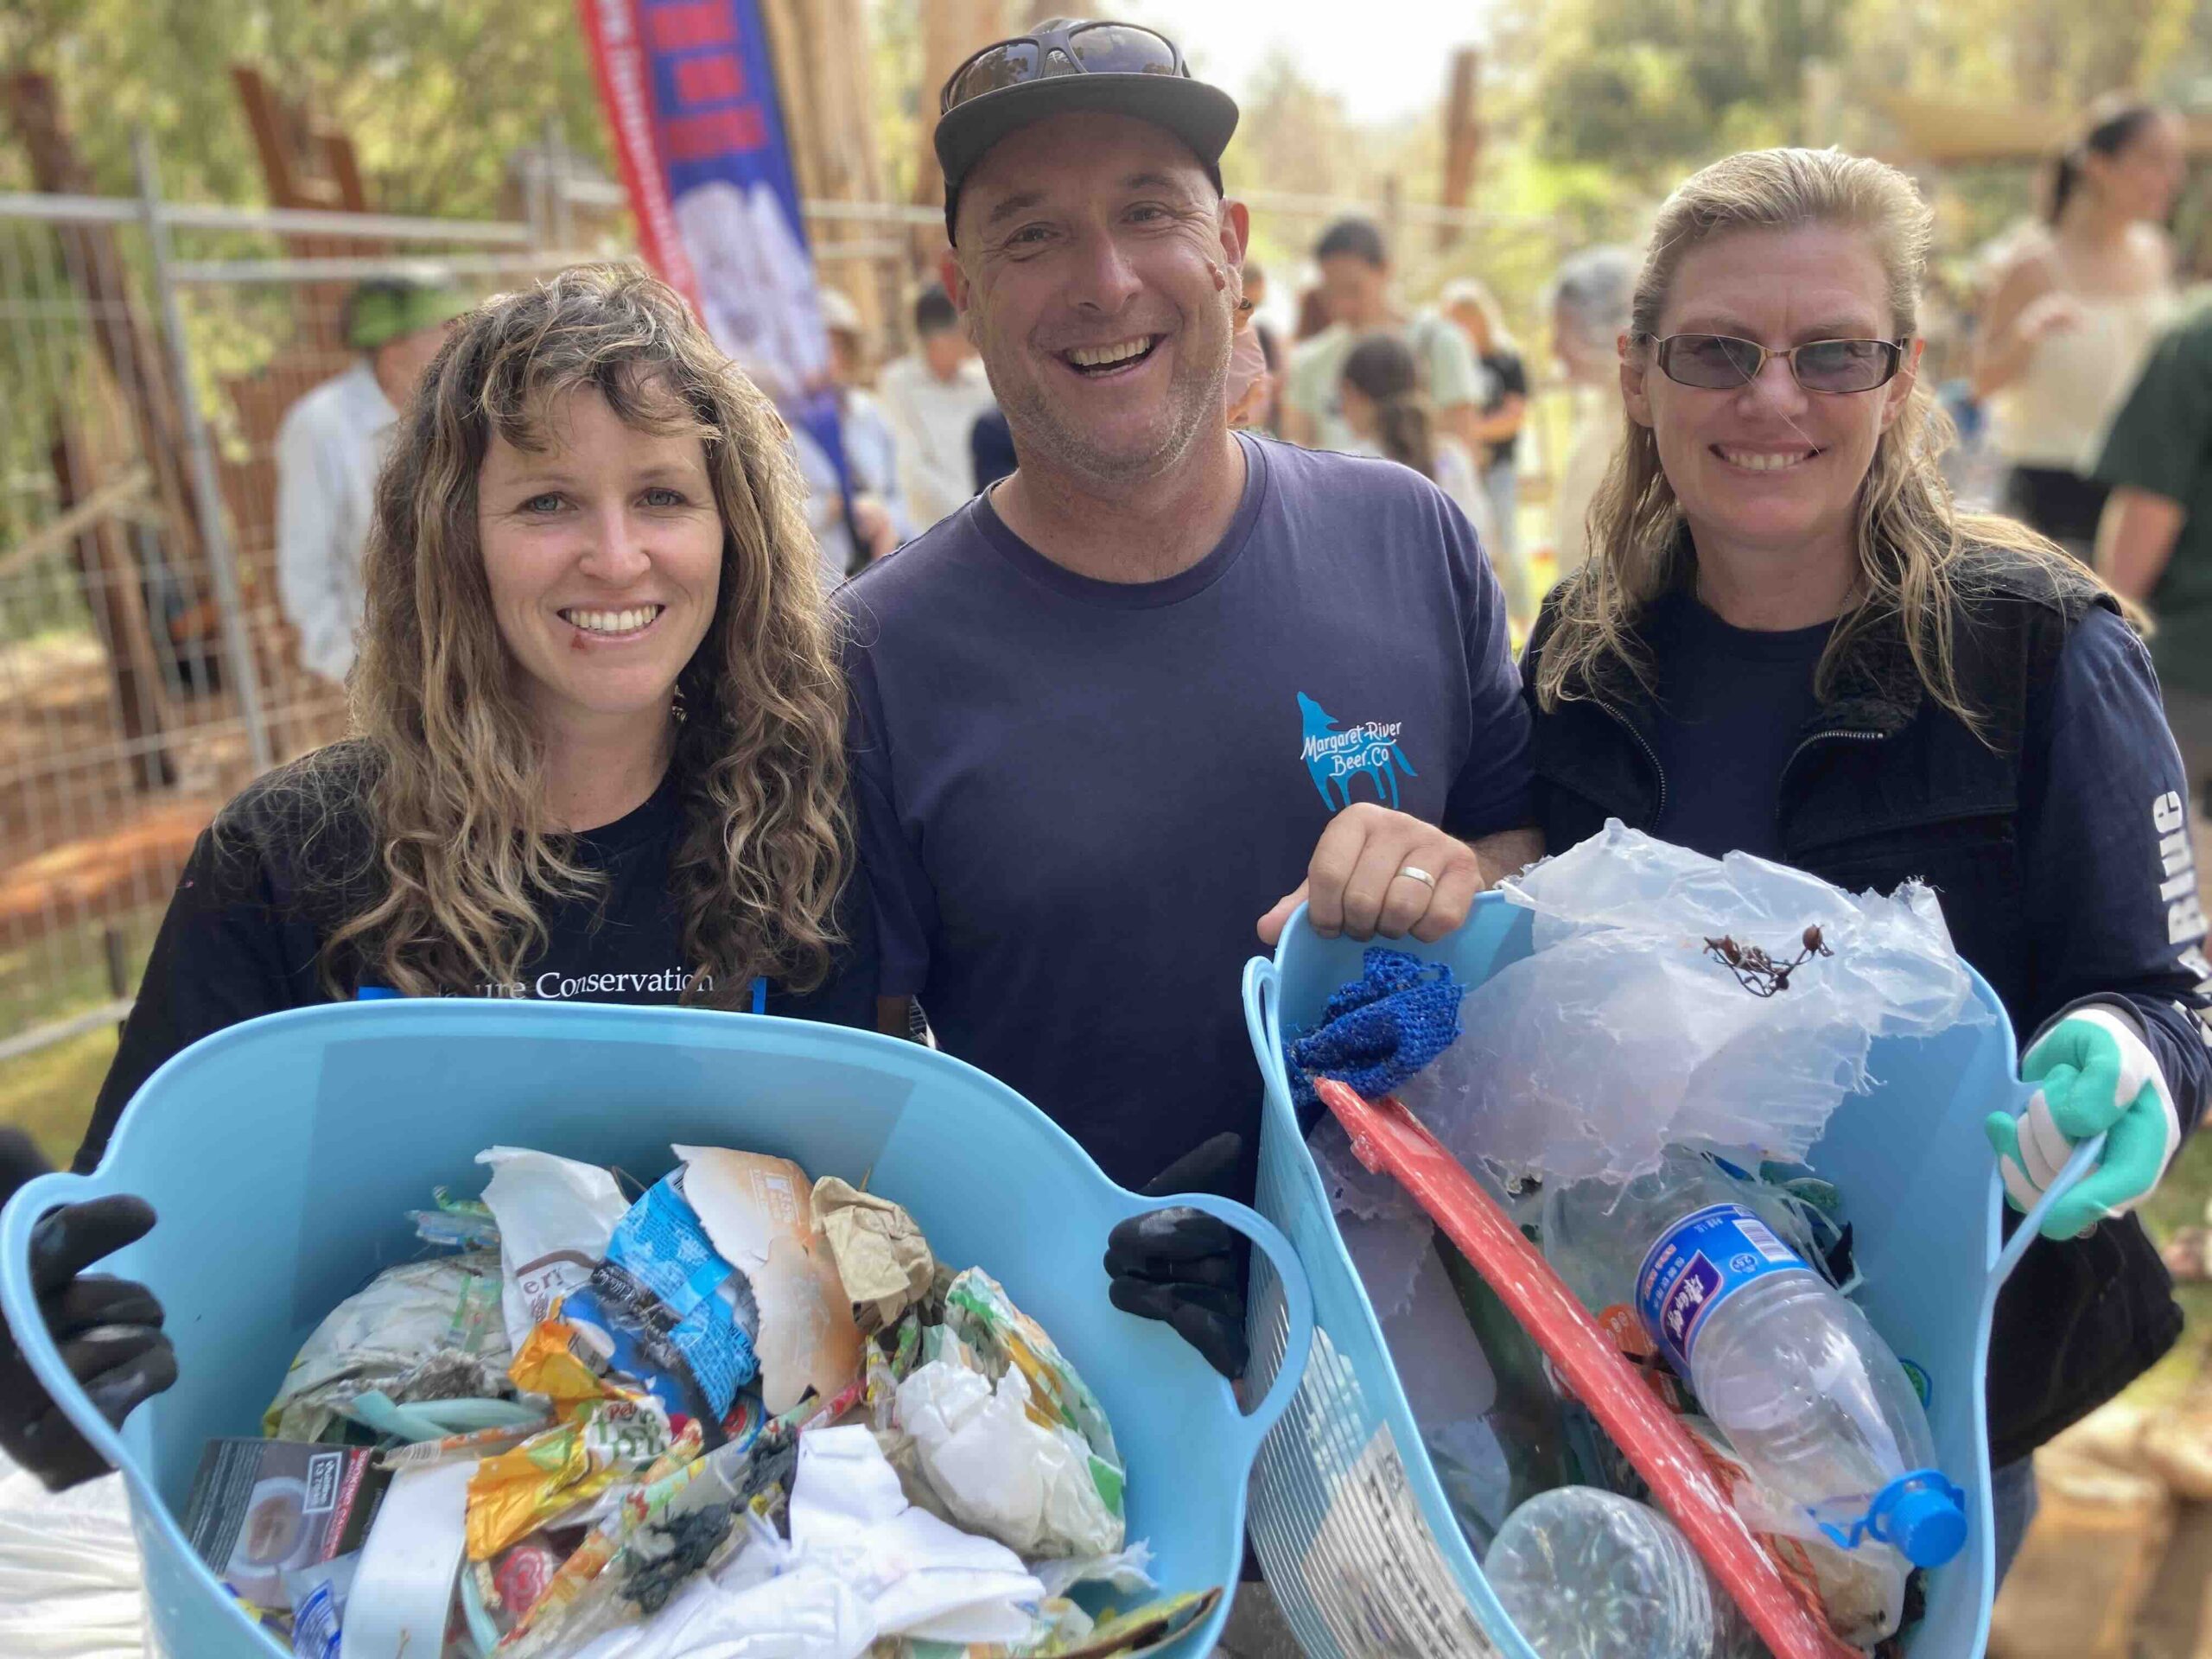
{"x":931,"y":419}
{"x":328,"y":448}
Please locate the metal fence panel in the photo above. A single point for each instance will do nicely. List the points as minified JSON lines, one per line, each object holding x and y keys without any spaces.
{"x":142,"y":683}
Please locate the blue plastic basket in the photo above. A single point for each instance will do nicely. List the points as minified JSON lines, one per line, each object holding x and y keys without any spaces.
{"x":1348,"y":1519}
{"x":281,"y":1154}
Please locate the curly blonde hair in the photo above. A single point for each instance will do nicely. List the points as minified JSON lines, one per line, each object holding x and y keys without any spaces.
{"x":1918,"y":557}
{"x":463,"y":856}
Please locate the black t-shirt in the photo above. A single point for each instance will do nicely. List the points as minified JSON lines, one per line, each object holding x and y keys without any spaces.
{"x":1509,"y":377}
{"x":266,"y":884}
{"x":1732,"y":704}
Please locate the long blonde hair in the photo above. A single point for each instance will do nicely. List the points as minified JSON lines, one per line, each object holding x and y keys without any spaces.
{"x":1918,"y":557}
{"x":450,"y":769}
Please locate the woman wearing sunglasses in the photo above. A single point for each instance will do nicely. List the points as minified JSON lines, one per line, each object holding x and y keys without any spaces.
{"x":1787,"y":642}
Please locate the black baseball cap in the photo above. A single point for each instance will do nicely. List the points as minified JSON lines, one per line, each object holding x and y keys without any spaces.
{"x":1066,"y":64}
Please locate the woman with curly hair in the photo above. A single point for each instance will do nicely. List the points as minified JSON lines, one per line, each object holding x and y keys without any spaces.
{"x":600,"y":752}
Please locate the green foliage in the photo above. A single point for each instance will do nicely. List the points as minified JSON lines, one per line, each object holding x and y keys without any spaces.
{"x":1650,"y":88}
{"x":1647,"y":86}
{"x":436,"y":94}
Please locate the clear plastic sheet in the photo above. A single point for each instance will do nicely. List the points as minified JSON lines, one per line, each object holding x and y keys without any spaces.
{"x":1624,"y":1033}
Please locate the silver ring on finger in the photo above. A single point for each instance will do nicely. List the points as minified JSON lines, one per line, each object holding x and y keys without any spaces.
{"x":1414,"y":872}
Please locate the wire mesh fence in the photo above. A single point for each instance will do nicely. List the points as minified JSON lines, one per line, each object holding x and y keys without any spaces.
{"x":147,"y":666}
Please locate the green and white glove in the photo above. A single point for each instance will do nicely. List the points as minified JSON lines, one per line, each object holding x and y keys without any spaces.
{"x":2097,"y":1077}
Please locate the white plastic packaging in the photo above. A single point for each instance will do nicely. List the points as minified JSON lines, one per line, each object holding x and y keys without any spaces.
{"x":555,"y":1216}
{"x":1000,"y":1471}
{"x":401,"y":1596}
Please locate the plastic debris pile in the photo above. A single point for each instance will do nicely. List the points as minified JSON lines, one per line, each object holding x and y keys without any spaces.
{"x":1640,"y":1092}
{"x":744,"y":1413}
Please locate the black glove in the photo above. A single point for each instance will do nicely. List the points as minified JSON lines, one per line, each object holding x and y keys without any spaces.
{"x":109,"y":1329}
{"x":1183,"y":1267}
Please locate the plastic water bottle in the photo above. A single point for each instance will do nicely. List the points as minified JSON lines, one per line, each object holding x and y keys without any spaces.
{"x":1806,"y":1392}
{"x":1584,"y":1574}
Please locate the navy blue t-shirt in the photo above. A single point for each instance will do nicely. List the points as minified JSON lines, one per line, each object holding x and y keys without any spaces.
{"x":1731,"y":707}
{"x":1077,"y":797}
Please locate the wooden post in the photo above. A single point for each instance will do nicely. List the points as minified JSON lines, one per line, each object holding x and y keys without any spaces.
{"x":951,"y":30}
{"x":820,"y":50}
{"x":132,"y":354}
{"x":1462,"y":137}
{"x":287,"y":139}
{"x":114,"y":592}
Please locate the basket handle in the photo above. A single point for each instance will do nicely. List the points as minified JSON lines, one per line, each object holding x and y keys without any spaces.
{"x":2030,"y":1228}
{"x":1262,"y":1021}
{"x":1298,"y":1303}
{"x":20,"y":1303}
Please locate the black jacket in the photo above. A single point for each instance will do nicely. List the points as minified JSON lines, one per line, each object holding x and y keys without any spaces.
{"x":1887,"y":785}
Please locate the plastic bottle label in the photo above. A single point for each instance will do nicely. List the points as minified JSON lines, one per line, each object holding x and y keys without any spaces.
{"x":1698,"y":1263}
{"x":315,"y":1632}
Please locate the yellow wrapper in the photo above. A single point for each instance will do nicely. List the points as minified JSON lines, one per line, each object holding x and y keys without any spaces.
{"x":553,"y":1362}
{"x":511,"y":1495}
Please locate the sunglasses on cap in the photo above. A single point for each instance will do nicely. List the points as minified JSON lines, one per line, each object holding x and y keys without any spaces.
{"x":1722,"y":363}
{"x":1075,"y":49}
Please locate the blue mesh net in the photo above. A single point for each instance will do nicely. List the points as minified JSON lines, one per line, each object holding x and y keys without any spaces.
{"x":1378,"y":1029}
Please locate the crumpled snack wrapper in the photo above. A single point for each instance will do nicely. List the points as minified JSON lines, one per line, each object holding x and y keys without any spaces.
{"x":511,"y":1495}
{"x":1035,"y":1486}
{"x":757,"y":1213}
{"x":556,"y":1362}
{"x":606,"y":1433}
{"x":882,"y":1257}
{"x":978,"y":1311}
{"x":421,"y":1331}
{"x":555,"y":1219}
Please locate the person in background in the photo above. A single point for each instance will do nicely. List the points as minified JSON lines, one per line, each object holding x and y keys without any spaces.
{"x":2154,"y":543}
{"x":1389,"y":415}
{"x":932,"y":397}
{"x":1590,"y":307}
{"x":862,"y":517}
{"x":1355,"y":281}
{"x":1505,"y":406}
{"x":2074,"y":310}
{"x":600,"y":758}
{"x":1313,"y":316}
{"x":1268,"y":419}
{"x":1789,"y":643}
{"x":990,"y":448}
{"x":328,"y":448}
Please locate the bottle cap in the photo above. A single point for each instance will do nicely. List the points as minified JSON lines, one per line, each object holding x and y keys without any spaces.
{"x":1925,"y":1520}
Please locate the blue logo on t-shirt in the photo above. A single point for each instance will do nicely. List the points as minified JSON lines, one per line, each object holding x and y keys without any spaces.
{"x":1337,"y":757}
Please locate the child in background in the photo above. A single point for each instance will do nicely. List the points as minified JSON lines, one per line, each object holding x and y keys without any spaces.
{"x":1389,"y":414}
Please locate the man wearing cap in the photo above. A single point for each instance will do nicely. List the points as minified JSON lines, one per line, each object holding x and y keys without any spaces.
{"x":1116,"y":715}
{"x":329,"y":449}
